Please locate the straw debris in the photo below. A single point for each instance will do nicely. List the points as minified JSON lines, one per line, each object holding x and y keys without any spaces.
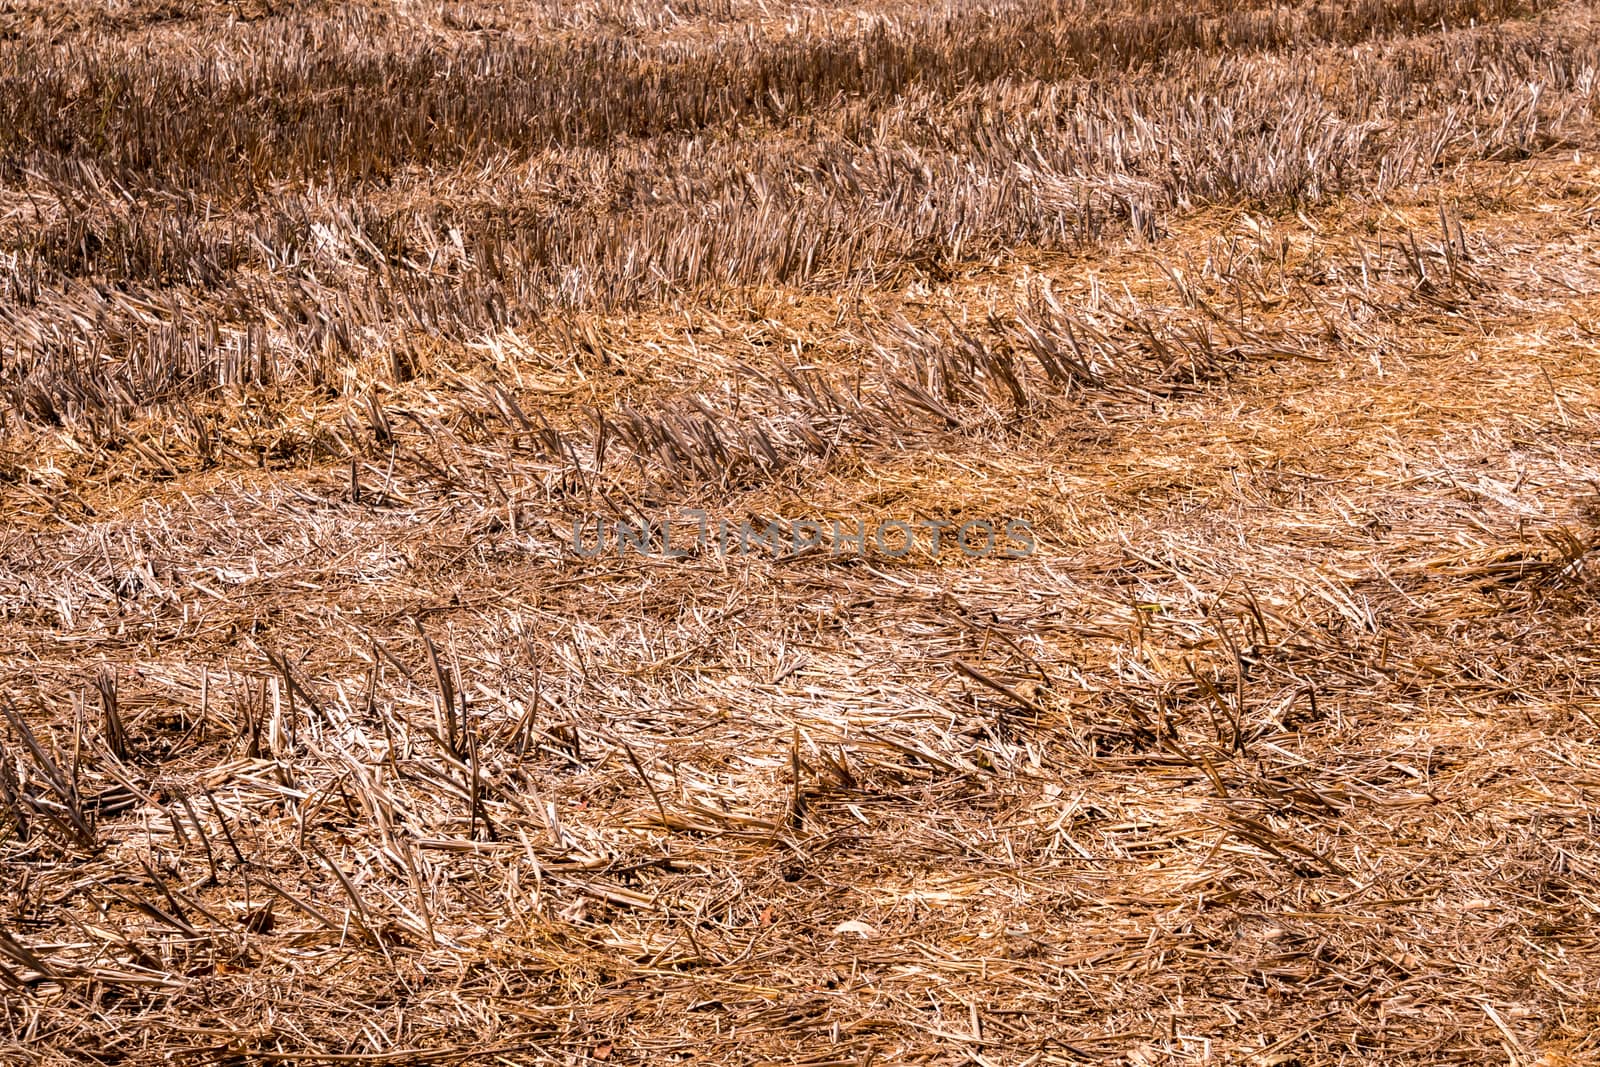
{"x":329,"y":736}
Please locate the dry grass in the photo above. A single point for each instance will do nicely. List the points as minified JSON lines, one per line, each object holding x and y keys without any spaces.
{"x":322,"y":324}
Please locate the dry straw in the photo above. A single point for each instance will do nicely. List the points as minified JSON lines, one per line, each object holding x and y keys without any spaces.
{"x":321,"y":324}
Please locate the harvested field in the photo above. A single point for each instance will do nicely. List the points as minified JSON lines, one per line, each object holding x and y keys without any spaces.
{"x":408,"y":412}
